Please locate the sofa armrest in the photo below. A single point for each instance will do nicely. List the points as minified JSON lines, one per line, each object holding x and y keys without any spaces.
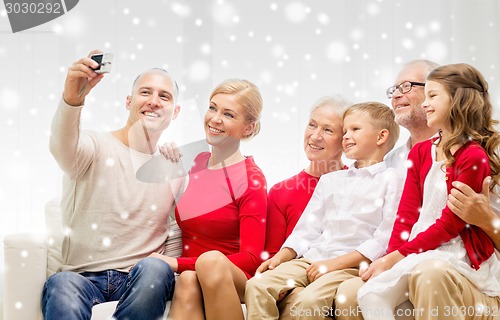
{"x":25,"y":257}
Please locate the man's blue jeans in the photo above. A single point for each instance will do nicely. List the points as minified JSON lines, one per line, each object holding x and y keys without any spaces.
{"x":142,"y":293}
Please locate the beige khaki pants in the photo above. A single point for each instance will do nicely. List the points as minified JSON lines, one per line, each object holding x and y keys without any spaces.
{"x":316,"y":299}
{"x":438,"y":291}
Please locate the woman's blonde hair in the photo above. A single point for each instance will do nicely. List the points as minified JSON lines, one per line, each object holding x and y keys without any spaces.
{"x":248,"y":95}
{"x":471,"y":112}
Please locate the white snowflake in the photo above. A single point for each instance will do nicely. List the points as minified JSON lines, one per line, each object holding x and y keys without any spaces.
{"x":110,"y":162}
{"x":409,"y":164}
{"x":9,"y":99}
{"x":407,"y":43}
{"x":199,"y":71}
{"x":336,"y":51}
{"x":181,"y":9}
{"x":106,"y":241}
{"x":322,"y":269}
{"x":436,"y":50}
{"x":296,"y":12}
{"x":224,"y":14}
{"x":364,"y":265}
{"x":435,"y":26}
{"x":323,"y":18}
{"x":264,"y":255}
{"x":373,"y":9}
{"x":496,"y":225}
{"x":405,"y":235}
{"x":356,"y":34}
{"x":421,"y":31}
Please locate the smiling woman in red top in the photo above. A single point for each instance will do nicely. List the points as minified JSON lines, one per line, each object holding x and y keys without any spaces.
{"x":222,"y":213}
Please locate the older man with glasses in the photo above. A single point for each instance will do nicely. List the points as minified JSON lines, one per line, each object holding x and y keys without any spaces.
{"x":406,"y":99}
{"x":403,"y":87}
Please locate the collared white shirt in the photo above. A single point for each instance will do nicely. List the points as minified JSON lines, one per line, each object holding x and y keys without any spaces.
{"x":398,"y":159}
{"x":349,"y":210}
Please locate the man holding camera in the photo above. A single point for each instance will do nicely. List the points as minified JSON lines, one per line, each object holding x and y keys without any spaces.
{"x":112,"y":221}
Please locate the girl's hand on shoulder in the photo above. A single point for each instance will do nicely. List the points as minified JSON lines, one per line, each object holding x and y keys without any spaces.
{"x":170,"y":151}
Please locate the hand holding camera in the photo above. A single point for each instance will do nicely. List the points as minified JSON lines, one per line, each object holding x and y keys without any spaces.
{"x":104,"y":60}
{"x":84,"y":74}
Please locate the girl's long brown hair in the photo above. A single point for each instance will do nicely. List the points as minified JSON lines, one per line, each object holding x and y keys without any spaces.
{"x":471,"y":112}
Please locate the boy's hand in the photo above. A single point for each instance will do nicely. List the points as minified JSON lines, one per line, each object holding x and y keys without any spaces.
{"x":319,"y":268}
{"x":380,"y":265}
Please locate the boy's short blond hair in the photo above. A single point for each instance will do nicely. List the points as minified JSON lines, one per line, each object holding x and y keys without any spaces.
{"x":382,"y":116}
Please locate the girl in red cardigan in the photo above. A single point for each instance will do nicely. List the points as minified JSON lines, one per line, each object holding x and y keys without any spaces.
{"x":458,"y":104}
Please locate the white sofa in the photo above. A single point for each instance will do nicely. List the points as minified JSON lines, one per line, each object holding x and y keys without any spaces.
{"x":31,"y":258}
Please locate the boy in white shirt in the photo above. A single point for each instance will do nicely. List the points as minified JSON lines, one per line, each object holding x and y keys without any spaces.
{"x":348,"y":221}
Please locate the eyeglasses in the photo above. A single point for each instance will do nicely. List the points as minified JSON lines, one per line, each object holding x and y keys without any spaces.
{"x":403,"y":87}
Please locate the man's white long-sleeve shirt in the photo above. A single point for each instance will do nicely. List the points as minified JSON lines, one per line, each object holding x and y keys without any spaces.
{"x":349,"y":210}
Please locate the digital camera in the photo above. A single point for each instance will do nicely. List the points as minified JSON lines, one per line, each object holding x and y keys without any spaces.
{"x":104,"y":60}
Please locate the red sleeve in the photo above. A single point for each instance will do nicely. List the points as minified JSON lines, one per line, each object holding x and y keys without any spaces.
{"x":252,"y":207}
{"x":470,"y":167}
{"x":276,"y":226}
{"x":410,"y":203}
{"x":185,"y":263}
